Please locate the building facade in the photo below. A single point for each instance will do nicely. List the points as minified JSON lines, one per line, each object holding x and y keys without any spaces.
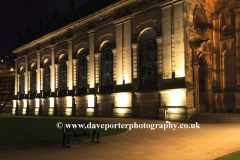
{"x":142,"y":58}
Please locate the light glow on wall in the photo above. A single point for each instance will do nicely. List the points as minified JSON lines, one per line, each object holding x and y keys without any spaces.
{"x":122,"y":110}
{"x":123,"y":100}
{"x":69,"y":101}
{"x":14,"y":104}
{"x":51,"y":102}
{"x":91,"y":101}
{"x":53,"y":87}
{"x":25,"y":103}
{"x":68,"y":112}
{"x":38,"y":88}
{"x":36,"y":111}
{"x":179,"y":73}
{"x":13,"y":111}
{"x":50,"y":111}
{"x":24,"y":111}
{"x":37,"y":102}
{"x":90,"y":110}
{"x":173,"y":97}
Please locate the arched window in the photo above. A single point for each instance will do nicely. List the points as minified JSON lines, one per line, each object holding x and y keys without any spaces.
{"x":106,"y":68}
{"x":82,"y":72}
{"x":22,"y":82}
{"x":34,"y":79}
{"x":63,"y":74}
{"x":47,"y":78}
{"x":148,"y":60}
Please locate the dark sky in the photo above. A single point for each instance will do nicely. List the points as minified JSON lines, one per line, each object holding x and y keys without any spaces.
{"x":16,"y":15}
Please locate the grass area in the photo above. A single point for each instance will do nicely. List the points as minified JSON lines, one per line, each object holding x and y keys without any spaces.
{"x":20,"y":132}
{"x":231,"y":156}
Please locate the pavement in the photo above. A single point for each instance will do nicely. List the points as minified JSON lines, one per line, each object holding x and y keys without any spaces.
{"x":210,"y":141}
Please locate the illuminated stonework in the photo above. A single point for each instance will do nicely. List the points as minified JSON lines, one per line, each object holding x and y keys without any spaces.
{"x":164,"y":60}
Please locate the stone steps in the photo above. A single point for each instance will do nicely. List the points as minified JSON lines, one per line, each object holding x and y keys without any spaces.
{"x":216,"y":118}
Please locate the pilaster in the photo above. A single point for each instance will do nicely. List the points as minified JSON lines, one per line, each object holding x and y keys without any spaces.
{"x":38,"y":72}
{"x":16,"y":77}
{"x":26,"y":74}
{"x":127,"y":51}
{"x":52,"y":68}
{"x":91,"y":71}
{"x":167,"y":41}
{"x":119,"y":57}
{"x":196,"y":85}
{"x":179,"y":50}
{"x":70,"y":64}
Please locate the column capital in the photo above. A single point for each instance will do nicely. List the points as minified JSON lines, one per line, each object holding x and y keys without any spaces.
{"x":39,"y":51}
{"x":91,"y":31}
{"x":196,"y":66}
{"x":237,"y":10}
{"x":70,"y":39}
{"x":97,"y":54}
{"x":118,"y":23}
{"x":52,"y":46}
{"x":135,"y":45}
{"x":166,"y":5}
{"x":114,"y":50}
{"x":75,"y":61}
{"x":87,"y":57}
{"x":159,"y":39}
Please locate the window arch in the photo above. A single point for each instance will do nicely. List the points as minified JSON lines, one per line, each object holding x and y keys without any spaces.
{"x":106,"y":68}
{"x":34,"y":79}
{"x":63,"y":73}
{"x":82,"y":72}
{"x":47,"y":78}
{"x":148,"y":60}
{"x":22,"y":82}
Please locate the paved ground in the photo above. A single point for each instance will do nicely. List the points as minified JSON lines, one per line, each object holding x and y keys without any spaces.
{"x":208,"y":142}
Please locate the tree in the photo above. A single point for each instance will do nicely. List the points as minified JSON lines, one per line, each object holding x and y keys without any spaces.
{"x":6,"y":89}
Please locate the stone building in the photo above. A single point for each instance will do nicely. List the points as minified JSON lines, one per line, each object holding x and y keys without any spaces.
{"x":166,"y":59}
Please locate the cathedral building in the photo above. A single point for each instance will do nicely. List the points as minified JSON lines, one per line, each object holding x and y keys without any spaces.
{"x":166,"y":59}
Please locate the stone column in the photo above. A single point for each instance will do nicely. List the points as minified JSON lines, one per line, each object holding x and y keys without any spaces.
{"x":56,"y":74}
{"x":52,"y":68}
{"x":38,"y":72}
{"x":167,"y":42}
{"x":127,"y":50}
{"x":26,"y":74}
{"x":18,"y":81}
{"x":119,"y":48}
{"x":98,"y":70}
{"x":196,"y":84}
{"x":70,"y":64}
{"x":74,"y":72}
{"x":16,"y":77}
{"x":41,"y":79}
{"x":91,"y":59}
{"x":88,"y":74}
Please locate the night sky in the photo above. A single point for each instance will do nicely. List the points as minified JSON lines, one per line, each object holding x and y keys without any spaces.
{"x":17,"y":15}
